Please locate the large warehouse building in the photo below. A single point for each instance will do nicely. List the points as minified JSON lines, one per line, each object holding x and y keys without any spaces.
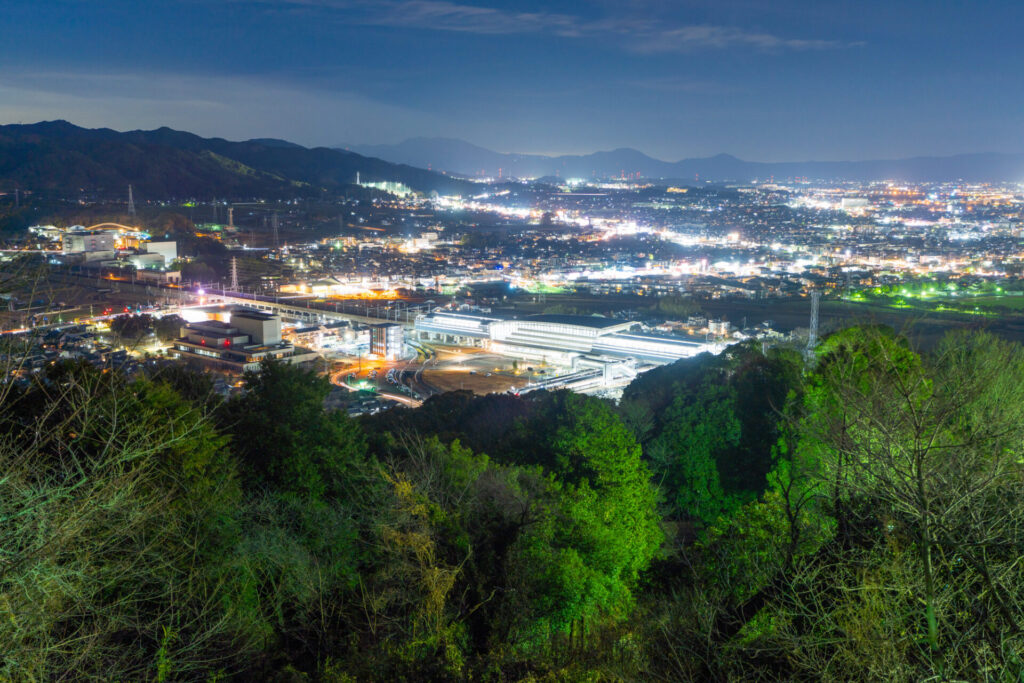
{"x":557,"y":339}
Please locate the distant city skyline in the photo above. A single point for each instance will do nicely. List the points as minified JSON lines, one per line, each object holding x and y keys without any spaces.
{"x":792,"y":81}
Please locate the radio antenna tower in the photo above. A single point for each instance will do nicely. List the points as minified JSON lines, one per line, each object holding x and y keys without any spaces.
{"x":131,"y":202}
{"x":812,"y":335}
{"x":234,"y":274}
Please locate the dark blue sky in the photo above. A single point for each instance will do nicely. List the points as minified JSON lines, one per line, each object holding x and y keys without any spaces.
{"x":765,"y":80}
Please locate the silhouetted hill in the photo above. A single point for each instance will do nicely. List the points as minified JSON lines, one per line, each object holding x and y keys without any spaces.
{"x":60,"y":157}
{"x":463,"y":158}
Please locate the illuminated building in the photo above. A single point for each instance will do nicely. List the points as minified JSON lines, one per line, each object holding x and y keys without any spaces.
{"x":386,"y":341}
{"x":250,"y":338}
{"x":88,"y":242}
{"x":558,"y":339}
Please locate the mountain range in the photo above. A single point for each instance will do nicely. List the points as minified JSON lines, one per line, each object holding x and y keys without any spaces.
{"x":57,"y":156}
{"x":466,"y":159}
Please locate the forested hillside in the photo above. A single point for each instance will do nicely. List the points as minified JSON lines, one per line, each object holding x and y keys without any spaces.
{"x":739,"y":517}
{"x":58,"y":157}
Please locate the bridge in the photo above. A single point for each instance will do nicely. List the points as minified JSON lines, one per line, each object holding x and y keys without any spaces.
{"x":303,"y":310}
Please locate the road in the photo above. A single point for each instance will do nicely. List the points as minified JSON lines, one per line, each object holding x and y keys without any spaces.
{"x":338,"y":379}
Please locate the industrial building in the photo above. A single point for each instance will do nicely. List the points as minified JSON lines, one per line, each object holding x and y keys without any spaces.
{"x":557,"y":339}
{"x":88,"y":242}
{"x":239,"y":345}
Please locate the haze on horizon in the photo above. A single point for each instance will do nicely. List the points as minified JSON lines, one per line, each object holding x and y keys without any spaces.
{"x":795,"y":80}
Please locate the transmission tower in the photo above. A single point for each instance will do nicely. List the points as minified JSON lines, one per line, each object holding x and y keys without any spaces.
{"x":274,"y":224}
{"x":812,"y":335}
{"x":17,"y":198}
{"x":131,"y":202}
{"x":234,"y":274}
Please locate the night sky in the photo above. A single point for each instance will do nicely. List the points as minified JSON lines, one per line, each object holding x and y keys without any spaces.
{"x":764,"y":80}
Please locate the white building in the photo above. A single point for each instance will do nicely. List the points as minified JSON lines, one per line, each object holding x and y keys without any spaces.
{"x":88,"y":242}
{"x":558,"y":339}
{"x":387,"y":341}
{"x":240,"y":345}
{"x":167,"y":249}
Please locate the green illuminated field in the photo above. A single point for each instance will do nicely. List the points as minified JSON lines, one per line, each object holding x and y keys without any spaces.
{"x":1015,"y":303}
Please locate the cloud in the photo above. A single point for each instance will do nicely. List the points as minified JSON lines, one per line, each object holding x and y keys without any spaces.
{"x":688,"y":38}
{"x":447,"y":16}
{"x":638,"y":35}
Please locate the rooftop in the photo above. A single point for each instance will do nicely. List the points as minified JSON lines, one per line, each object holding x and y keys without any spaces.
{"x":209,"y":325}
{"x":251,"y":314}
{"x":596,"y":322}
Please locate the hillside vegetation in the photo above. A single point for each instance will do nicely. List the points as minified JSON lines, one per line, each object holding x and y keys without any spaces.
{"x":51,"y":156}
{"x":735,"y":517}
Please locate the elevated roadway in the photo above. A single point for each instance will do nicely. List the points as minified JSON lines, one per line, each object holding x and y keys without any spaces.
{"x":300,"y":309}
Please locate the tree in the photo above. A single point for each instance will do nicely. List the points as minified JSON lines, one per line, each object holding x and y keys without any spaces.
{"x":168,"y":327}
{"x":927,"y":450}
{"x":767,"y":388}
{"x":744,"y":393}
{"x":677,"y":306}
{"x":285,"y":439}
{"x":130,"y":327}
{"x":697,"y":436}
{"x":587,"y":557}
{"x":117,"y":501}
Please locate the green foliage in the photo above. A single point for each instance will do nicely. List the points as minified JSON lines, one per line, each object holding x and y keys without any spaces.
{"x":168,"y":327}
{"x":131,"y":327}
{"x":685,"y":456}
{"x":587,"y":557}
{"x":860,"y":523}
{"x":914,"y":456}
{"x":709,"y":425}
{"x":114,"y":497}
{"x":677,"y":307}
{"x":285,"y":439}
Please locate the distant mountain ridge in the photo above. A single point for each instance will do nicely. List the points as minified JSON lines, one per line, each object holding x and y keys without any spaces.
{"x":466,"y":159}
{"x":57,"y":156}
